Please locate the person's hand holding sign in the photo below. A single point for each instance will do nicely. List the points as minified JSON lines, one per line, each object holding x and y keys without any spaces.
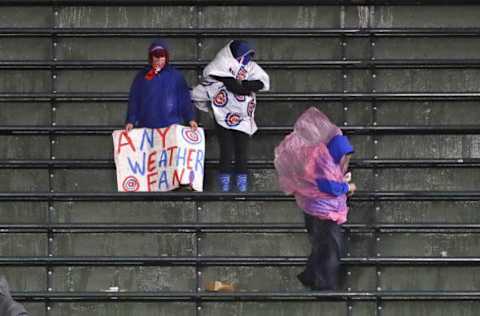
{"x":193,"y":125}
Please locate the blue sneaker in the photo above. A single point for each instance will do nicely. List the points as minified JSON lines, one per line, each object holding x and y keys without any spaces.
{"x":242,"y":182}
{"x":224,"y":182}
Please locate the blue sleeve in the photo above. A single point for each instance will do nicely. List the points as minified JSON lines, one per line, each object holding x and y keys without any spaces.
{"x":185,"y":100}
{"x":332,"y":187}
{"x":134,"y":99}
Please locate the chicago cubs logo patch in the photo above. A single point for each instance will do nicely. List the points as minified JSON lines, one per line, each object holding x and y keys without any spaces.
{"x":220,"y":99}
{"x":242,"y":74}
{"x":240,"y":98}
{"x":233,"y":119}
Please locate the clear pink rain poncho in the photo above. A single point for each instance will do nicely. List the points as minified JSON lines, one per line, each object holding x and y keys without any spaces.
{"x":302,"y":157}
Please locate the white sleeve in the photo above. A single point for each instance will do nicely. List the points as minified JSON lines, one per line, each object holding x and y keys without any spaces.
{"x":200,"y":97}
{"x":218,"y":67}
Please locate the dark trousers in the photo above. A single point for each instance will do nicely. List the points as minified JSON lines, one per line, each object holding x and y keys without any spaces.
{"x":323,"y":266}
{"x":233,"y":143}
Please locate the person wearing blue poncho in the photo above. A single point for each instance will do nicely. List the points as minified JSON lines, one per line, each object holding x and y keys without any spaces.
{"x":159,"y":95}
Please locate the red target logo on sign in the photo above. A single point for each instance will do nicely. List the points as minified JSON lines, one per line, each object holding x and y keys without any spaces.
{"x":191,"y":136}
{"x":220,"y":99}
{"x":130,"y":184}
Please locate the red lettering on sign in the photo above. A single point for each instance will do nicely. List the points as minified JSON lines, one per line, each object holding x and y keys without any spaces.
{"x":151,"y":161}
{"x":129,"y":141}
{"x":163,"y":134}
{"x":171,"y":149}
{"x":149,"y":181}
{"x":176,"y":178}
{"x":189,"y":158}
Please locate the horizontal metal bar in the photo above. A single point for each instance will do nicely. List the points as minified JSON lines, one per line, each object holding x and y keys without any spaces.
{"x":123,"y":97}
{"x":357,"y":130}
{"x":144,"y":196}
{"x":417,"y":228}
{"x":252,"y":196}
{"x":412,"y":261}
{"x":252,"y":164}
{"x":231,"y":228}
{"x":417,"y":63}
{"x":199,"y":2}
{"x":268,"y":64}
{"x":247,"y":296}
{"x":416,"y":196}
{"x":191,"y":64}
{"x":148,"y":227}
{"x":231,"y":2}
{"x":415,"y":163}
{"x":180,"y":2}
{"x":228,"y":261}
{"x":242,"y":32}
{"x":158,"y":261}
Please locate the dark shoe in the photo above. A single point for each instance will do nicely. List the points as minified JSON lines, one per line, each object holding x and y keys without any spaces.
{"x":311,"y":284}
{"x":307,"y":283}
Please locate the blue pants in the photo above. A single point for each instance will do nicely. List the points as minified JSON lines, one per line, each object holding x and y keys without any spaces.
{"x":323,"y":266}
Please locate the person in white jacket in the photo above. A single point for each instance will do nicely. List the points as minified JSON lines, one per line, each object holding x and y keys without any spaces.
{"x":229,"y":86}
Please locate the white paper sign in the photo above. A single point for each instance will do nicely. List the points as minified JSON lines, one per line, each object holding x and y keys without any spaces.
{"x":159,"y":159}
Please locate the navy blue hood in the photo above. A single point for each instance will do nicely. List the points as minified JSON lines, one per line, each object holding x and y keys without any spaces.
{"x":242,"y":51}
{"x":158,"y":44}
{"x":338,"y":147}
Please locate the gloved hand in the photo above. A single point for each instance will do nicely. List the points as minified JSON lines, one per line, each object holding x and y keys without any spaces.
{"x":252,"y":85}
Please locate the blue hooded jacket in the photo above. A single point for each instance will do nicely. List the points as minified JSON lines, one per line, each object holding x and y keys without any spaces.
{"x":162,"y":101}
{"x":338,"y":147}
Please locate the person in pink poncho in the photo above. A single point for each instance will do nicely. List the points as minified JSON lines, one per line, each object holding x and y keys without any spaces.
{"x":312,"y":164}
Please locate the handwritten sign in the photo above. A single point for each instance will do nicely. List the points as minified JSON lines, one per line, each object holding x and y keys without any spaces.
{"x":159,"y":159}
